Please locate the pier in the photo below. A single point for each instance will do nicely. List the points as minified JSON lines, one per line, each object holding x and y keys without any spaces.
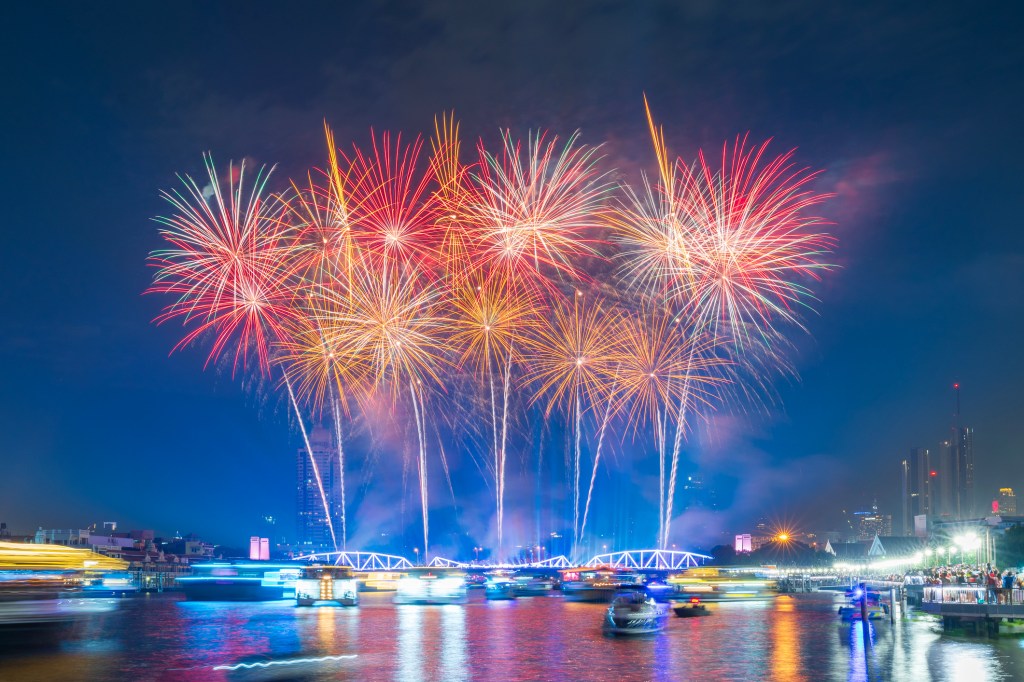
{"x":977,"y":608}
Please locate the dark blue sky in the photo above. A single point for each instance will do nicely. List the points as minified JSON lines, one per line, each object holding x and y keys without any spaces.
{"x":913,"y":110}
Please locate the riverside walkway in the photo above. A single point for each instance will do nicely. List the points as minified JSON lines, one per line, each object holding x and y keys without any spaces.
{"x":976,"y":607}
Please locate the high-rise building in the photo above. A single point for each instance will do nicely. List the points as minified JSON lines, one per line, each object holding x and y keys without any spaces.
{"x":945,"y":484}
{"x":1006,"y":502}
{"x":917,"y":476}
{"x":965,"y":471}
{"x":313,"y":531}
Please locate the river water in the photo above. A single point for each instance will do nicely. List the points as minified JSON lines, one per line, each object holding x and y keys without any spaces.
{"x":162,"y":637}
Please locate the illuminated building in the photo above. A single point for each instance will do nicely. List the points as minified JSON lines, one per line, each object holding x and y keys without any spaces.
{"x":1006,"y":503}
{"x":312,"y":529}
{"x":870,"y":524}
{"x":917,"y":476}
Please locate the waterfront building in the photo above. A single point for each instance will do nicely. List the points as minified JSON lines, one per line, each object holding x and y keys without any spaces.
{"x":312,"y":529}
{"x":916,"y":479}
{"x":1006,"y":503}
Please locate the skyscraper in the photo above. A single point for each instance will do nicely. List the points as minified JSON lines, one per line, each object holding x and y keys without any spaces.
{"x":313,"y":531}
{"x":946,"y":504}
{"x":962,"y":446}
{"x":917,"y":476}
{"x":965,"y":471}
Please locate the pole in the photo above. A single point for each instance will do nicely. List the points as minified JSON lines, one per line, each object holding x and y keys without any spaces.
{"x":864,"y":615}
{"x":892,"y":604}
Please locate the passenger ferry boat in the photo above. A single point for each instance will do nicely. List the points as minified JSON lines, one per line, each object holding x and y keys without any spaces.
{"x":596,"y":584}
{"x":324,"y":585}
{"x":241,"y":581}
{"x":634,"y":612}
{"x":432,"y":586}
{"x":722,"y":585}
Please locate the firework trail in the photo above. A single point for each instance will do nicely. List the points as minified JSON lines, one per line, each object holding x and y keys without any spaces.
{"x":572,"y":357}
{"x":728,"y":249}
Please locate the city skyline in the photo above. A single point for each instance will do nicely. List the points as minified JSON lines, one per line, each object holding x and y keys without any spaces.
{"x":99,"y":423}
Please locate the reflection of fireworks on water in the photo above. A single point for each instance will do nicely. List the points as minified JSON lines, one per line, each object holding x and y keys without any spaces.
{"x":385,"y":275}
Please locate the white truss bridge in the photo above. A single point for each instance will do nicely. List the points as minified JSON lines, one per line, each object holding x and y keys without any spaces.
{"x":553,"y":562}
{"x":360,"y":561}
{"x":644,"y":559}
{"x":654,"y":559}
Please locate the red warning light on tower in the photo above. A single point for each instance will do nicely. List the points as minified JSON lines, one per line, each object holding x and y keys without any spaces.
{"x":933,"y":473}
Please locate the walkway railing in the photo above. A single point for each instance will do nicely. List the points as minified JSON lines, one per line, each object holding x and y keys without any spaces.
{"x":967,"y":594}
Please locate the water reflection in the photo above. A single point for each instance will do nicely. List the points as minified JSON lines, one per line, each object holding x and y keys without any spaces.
{"x":540,"y":638}
{"x":410,"y":642}
{"x":453,"y":648}
{"x":786,"y":660}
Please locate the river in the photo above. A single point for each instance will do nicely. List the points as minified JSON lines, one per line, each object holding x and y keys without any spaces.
{"x":162,"y":637}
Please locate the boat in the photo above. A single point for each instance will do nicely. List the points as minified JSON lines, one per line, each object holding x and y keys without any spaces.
{"x":634,"y":612}
{"x":596,"y":584}
{"x":529,"y":584}
{"x":379,"y":581}
{"x":432,"y":586}
{"x":876,"y":610}
{"x":325,"y":585}
{"x":499,"y":585}
{"x":722,"y":585}
{"x":690,"y":609}
{"x":240,"y":581}
{"x":41,"y":590}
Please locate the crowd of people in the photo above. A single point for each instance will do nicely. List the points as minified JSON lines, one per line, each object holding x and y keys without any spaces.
{"x":999,"y":585}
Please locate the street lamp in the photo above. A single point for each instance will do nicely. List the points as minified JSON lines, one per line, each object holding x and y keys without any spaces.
{"x":417,"y":551}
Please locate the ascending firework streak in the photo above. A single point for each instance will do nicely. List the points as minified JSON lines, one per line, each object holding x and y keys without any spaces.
{"x":521,"y":223}
{"x":572,"y":362}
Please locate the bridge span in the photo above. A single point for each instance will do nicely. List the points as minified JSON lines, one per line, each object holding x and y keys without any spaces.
{"x":640,"y":559}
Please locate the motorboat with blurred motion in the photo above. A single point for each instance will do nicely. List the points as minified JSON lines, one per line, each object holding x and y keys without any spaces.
{"x":722,"y":585}
{"x":634,"y":612}
{"x":432,"y":586}
{"x":241,"y":581}
{"x":533,"y":584}
{"x":499,"y":585}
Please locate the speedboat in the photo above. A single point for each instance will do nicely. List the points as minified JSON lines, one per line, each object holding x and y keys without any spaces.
{"x":325,"y":585}
{"x":634,"y":612}
{"x":690,"y":609}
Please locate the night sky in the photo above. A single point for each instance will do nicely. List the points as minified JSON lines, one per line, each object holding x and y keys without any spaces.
{"x":913,"y":111}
